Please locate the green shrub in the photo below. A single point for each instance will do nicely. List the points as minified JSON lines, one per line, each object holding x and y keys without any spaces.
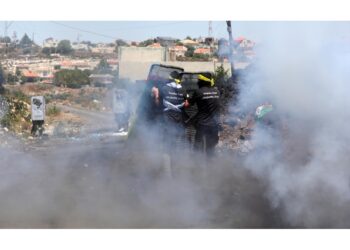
{"x":53,"y":111}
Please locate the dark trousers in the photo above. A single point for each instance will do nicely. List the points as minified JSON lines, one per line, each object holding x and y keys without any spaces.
{"x":37,"y":126}
{"x":206,"y":139}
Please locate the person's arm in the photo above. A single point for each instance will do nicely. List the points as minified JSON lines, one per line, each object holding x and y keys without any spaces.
{"x":195,"y":97}
{"x":155,"y":95}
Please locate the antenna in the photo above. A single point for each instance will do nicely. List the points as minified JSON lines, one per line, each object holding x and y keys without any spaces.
{"x":78,"y":38}
{"x":210,"y":29}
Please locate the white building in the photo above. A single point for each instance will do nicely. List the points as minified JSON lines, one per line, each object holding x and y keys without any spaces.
{"x":50,"y":43}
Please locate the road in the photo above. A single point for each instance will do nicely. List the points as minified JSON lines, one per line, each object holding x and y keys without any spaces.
{"x":93,"y":120}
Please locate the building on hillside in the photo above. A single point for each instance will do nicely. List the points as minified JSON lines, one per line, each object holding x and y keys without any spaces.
{"x":50,"y":43}
{"x":202,"y":51}
{"x":176,"y":52}
{"x":80,"y":46}
{"x":113,"y":63}
{"x":30,"y":76}
{"x":154,"y":45}
{"x":188,"y":42}
{"x":102,"y":49}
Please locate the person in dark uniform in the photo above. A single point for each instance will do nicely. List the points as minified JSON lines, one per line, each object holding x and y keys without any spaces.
{"x":172,"y":99}
{"x":207,"y":120}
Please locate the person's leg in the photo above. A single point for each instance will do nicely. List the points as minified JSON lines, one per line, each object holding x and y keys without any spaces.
{"x":34,"y":128}
{"x":212,"y":136}
{"x":199,"y":140}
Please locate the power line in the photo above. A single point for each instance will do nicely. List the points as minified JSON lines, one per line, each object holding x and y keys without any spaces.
{"x":108,"y":36}
{"x":83,"y":30}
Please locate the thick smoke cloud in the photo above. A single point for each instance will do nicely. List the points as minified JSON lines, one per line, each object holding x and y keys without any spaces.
{"x":304,"y":161}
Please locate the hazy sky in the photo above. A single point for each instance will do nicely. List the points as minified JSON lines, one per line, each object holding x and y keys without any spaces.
{"x":103,"y":31}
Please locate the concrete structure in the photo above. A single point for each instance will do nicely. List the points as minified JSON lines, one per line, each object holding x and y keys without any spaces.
{"x":178,"y":50}
{"x":141,"y":54}
{"x":50,"y":43}
{"x":80,"y":46}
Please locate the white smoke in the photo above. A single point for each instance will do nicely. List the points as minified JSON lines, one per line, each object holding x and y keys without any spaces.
{"x":303,"y":71}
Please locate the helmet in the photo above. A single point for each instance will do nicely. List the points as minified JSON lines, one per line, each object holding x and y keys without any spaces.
{"x":175,"y":76}
{"x":206,"y":77}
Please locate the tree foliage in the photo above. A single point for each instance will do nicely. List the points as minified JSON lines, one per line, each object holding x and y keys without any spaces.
{"x":190,"y":51}
{"x":25,"y":42}
{"x":5,"y":39}
{"x":2,"y":76}
{"x":47,"y":51}
{"x":71,"y":78}
{"x":103,"y":67}
{"x":227,"y":86}
{"x":146,"y":42}
{"x":121,"y":42}
{"x":64,"y":47}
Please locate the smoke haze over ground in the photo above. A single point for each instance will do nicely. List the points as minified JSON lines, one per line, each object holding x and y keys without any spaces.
{"x":304,"y":73}
{"x":296,"y":176}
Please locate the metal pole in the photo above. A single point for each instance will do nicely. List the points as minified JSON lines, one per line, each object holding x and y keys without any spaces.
{"x":229,"y":29}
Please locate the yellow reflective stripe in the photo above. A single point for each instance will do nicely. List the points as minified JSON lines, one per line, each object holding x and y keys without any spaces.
{"x":203,"y":78}
{"x":175,"y":80}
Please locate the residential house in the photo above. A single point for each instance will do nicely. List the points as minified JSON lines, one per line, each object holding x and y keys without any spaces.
{"x":103,"y":49}
{"x":155,"y":45}
{"x":50,"y":43}
{"x":80,"y":46}
{"x":113,"y":63}
{"x":30,"y":76}
{"x":177,"y":51}
{"x":189,"y":42}
{"x":202,"y":51}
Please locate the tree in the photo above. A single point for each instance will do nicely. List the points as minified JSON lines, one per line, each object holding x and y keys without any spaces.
{"x":11,"y":79}
{"x":64,"y":47}
{"x":5,"y":39}
{"x":25,"y":42}
{"x":47,"y":51}
{"x":2,"y":76}
{"x":103,"y":67}
{"x":146,"y":43}
{"x":71,"y":78}
{"x":121,"y":42}
{"x":190,"y":51}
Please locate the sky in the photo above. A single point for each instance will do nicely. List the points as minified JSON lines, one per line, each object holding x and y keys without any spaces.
{"x":109,"y":31}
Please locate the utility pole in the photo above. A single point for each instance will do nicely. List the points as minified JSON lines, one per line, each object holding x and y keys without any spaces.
{"x":229,"y":29}
{"x":78,"y":38}
{"x":210,"y":30}
{"x":7,"y":26}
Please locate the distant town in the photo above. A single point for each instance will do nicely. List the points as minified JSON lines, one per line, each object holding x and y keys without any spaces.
{"x":54,"y":61}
